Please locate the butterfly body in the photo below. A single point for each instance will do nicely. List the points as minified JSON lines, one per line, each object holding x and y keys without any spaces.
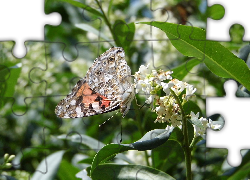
{"x":106,"y":87}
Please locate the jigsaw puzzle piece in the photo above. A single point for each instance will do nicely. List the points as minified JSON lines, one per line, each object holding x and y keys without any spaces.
{"x":82,"y":21}
{"x":218,"y":30}
{"x":27,"y":25}
{"x":235,"y":114}
{"x":10,"y":69}
{"x":21,"y":86}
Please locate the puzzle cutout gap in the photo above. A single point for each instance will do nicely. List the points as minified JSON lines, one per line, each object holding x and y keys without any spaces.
{"x":235,"y":112}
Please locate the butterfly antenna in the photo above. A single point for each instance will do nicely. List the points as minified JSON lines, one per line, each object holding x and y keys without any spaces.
{"x":108,"y":119}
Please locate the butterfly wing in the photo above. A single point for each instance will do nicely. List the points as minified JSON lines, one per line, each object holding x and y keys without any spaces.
{"x":101,"y":90}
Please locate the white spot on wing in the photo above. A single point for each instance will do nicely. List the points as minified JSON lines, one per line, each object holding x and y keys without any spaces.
{"x":73,"y":102}
{"x":79,"y":112}
{"x":95,"y":105}
{"x":122,"y":54}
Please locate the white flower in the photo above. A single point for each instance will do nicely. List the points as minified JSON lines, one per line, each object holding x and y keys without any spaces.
{"x":150,"y":99}
{"x":175,"y":120}
{"x":154,"y":73}
{"x":160,"y":110}
{"x":204,"y":122}
{"x":166,"y":107}
{"x":166,"y":87}
{"x":194,"y":116}
{"x":143,"y":70}
{"x":165,"y":75}
{"x":189,"y":91}
{"x":178,"y":87}
{"x":199,"y":131}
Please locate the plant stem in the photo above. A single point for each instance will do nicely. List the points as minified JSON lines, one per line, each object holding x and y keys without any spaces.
{"x":139,"y":125}
{"x":106,"y":19}
{"x":185,"y":144}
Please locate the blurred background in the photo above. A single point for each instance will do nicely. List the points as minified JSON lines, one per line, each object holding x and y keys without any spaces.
{"x":31,"y":87}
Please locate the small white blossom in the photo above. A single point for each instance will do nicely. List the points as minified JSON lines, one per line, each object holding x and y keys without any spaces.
{"x":178,"y":87}
{"x":150,"y":99}
{"x":190,"y":90}
{"x":194,"y":116}
{"x":166,"y":107}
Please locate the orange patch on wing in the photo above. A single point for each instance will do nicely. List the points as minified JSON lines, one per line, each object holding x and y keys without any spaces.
{"x":89,"y":96}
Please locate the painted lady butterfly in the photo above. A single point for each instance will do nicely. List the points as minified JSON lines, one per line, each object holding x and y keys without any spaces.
{"x":106,"y":87}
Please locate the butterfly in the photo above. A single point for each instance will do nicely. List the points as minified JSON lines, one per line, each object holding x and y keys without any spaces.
{"x":106,"y":87}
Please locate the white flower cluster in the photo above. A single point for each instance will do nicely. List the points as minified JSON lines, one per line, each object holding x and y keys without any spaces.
{"x":151,"y":84}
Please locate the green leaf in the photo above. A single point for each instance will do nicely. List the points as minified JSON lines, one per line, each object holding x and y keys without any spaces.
{"x":123,"y":34}
{"x":177,"y":135}
{"x":191,"y":106}
{"x":128,"y":172}
{"x":86,"y":161}
{"x":150,"y":140}
{"x":167,"y":155}
{"x":216,"y":12}
{"x":9,"y":76}
{"x":191,"y":41}
{"x":67,"y":171}
{"x":49,"y":166}
{"x":83,"y":6}
{"x":182,"y":70}
{"x":106,"y":153}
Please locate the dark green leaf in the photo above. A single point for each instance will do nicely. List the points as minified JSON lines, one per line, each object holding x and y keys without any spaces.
{"x":191,"y":41}
{"x":67,"y":171}
{"x":128,"y":172}
{"x":150,"y":140}
{"x":191,"y":106}
{"x":167,"y":155}
{"x":124,"y":34}
{"x":182,"y":70}
{"x":177,"y":135}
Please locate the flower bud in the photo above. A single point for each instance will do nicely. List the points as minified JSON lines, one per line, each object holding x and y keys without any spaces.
{"x":8,"y":165}
{"x":11,"y":157}
{"x":6,"y":157}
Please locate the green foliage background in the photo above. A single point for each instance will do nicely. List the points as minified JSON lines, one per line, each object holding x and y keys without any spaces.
{"x":31,"y":87}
